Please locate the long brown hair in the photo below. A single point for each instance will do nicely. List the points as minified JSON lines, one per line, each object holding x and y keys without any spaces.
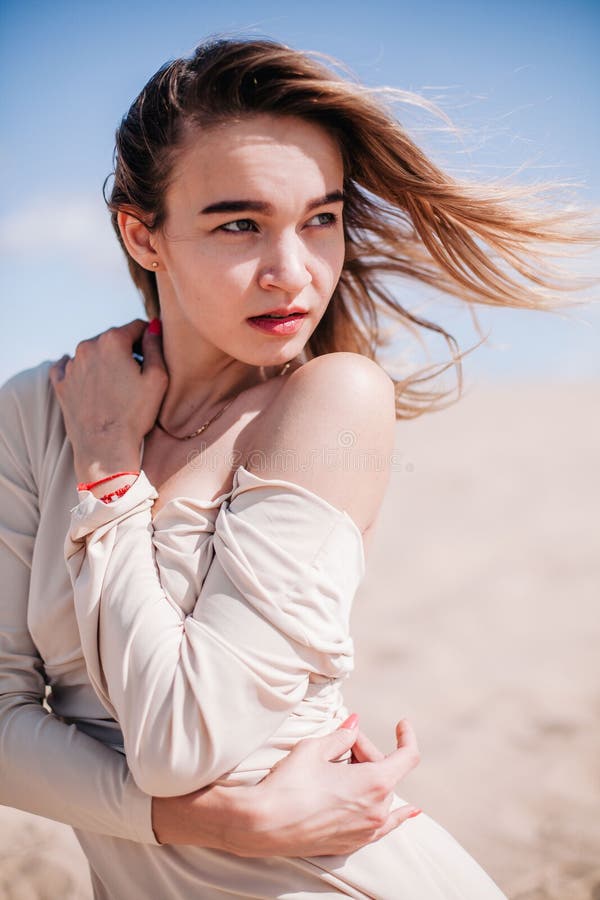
{"x":403,"y":216}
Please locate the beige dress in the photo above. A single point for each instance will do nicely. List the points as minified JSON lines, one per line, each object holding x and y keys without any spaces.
{"x":216,"y":636}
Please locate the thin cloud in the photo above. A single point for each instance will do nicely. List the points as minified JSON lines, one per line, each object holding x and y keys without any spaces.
{"x":76,"y":228}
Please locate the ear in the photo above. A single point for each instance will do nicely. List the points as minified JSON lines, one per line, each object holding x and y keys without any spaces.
{"x":138,"y":239}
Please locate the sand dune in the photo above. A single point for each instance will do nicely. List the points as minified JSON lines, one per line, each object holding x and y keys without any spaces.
{"x":478,"y":620}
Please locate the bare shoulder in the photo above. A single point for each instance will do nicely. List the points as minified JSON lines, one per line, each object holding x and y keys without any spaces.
{"x":331,"y":429}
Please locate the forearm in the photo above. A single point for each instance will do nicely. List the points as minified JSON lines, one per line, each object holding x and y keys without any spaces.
{"x":54,"y":770}
{"x":217,"y":817}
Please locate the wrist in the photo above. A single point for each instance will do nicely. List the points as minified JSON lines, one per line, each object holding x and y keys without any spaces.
{"x":111,"y":487}
{"x":163,"y":817}
{"x":246,"y":824}
{"x":106,"y":460}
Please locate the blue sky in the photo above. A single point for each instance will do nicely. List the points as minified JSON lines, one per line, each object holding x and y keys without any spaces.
{"x":521,"y":79}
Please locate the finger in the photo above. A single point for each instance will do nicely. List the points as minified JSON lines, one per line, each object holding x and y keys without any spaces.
{"x":405,"y":736}
{"x":398,"y":763}
{"x":133,"y":331}
{"x":331,"y":746}
{"x":57,"y":369}
{"x":152,"y":347}
{"x":365,"y":750}
{"x":396,"y":817}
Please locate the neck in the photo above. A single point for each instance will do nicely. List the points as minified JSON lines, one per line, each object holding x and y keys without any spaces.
{"x":201,"y":380}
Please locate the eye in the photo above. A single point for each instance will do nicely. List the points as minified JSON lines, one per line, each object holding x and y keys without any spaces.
{"x":241,"y":225}
{"x":325,"y":219}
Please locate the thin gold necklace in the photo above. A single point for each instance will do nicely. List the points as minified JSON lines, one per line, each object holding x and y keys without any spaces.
{"x":188,"y":437}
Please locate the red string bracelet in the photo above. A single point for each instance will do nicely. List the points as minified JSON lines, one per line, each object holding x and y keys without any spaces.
{"x":92,"y":484}
{"x":107,"y":498}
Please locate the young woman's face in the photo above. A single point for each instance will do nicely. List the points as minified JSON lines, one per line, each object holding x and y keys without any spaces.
{"x":253,"y":223}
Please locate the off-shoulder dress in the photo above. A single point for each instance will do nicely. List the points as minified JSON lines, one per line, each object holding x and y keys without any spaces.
{"x":194,"y":647}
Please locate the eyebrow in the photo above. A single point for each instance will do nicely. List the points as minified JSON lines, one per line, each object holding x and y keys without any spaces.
{"x":236,"y":206}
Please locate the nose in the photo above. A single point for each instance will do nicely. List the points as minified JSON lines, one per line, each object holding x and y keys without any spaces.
{"x":285,"y":266}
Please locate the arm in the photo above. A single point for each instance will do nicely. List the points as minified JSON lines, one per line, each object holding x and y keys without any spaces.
{"x":195,"y":694}
{"x":48,"y":768}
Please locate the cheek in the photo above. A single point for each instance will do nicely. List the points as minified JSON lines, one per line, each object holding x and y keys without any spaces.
{"x":334,"y":261}
{"x":203,"y":271}
{"x":239,"y":275}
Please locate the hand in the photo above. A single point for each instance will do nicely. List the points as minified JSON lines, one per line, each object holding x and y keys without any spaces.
{"x":306,"y":806}
{"x":108,"y":402}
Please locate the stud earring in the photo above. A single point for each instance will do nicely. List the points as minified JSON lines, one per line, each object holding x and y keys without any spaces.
{"x":155,"y":265}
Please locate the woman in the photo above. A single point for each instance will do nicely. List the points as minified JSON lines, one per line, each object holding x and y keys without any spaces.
{"x":211,"y":590}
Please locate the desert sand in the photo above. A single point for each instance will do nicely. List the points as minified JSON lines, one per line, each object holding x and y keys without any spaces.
{"x":478,"y":620}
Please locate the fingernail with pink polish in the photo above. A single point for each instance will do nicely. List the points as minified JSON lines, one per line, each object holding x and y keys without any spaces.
{"x":155,"y":327}
{"x":415,"y":812}
{"x":351,"y":722}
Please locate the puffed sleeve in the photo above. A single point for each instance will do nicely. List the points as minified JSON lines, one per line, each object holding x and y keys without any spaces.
{"x":46,"y":766}
{"x":196,"y":687}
